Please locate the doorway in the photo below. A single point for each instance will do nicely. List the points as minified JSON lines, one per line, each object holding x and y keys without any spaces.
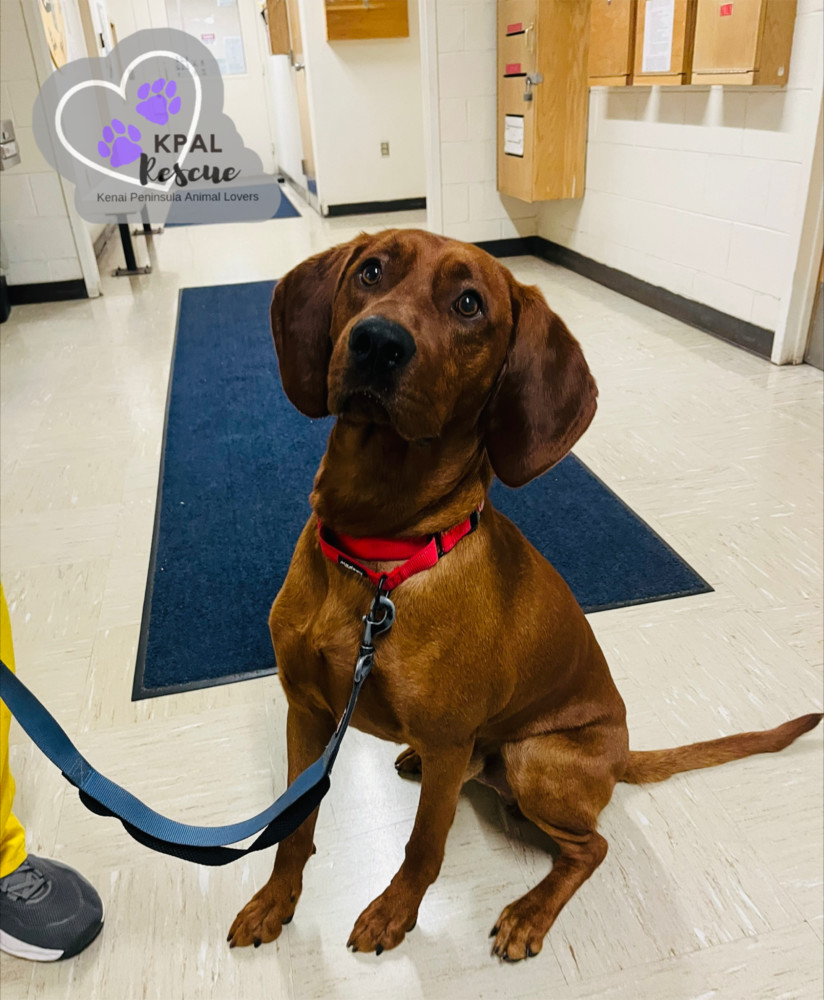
{"x":290,"y":98}
{"x":234,"y":31}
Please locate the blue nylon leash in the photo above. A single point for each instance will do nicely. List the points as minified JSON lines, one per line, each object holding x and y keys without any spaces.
{"x":203,"y":845}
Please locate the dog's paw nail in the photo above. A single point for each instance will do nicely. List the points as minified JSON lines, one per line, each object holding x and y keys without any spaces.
{"x":529,"y":952}
{"x":354,"y":948}
{"x":256,"y":942}
{"x":231,"y":944}
{"x":494,"y":931}
{"x":379,"y":950}
{"x":412,"y":928}
{"x":288,"y":920}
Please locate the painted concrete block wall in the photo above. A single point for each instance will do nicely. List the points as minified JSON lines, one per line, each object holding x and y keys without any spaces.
{"x":467,"y":107}
{"x":698,"y":190}
{"x":701,"y":190}
{"x":37,"y":240}
{"x":363,"y":93}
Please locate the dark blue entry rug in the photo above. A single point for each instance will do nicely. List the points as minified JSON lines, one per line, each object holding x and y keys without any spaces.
{"x":238,"y":465}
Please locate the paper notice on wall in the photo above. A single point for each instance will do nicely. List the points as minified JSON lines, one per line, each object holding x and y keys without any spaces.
{"x":514,"y":135}
{"x":659,"y":16}
{"x":233,"y":49}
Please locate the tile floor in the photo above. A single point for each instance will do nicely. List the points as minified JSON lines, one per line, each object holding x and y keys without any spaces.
{"x":713,"y":884}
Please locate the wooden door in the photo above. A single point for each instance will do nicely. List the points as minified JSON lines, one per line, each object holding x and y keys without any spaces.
{"x":517,"y":57}
{"x":681,"y":48}
{"x":277,"y":20}
{"x":611,"y":41}
{"x":726,"y":36}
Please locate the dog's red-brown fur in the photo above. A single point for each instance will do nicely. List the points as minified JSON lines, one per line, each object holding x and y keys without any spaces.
{"x":491,"y":670}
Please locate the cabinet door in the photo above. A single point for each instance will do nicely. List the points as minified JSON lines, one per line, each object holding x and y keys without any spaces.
{"x":611,"y":40}
{"x":562,"y":99}
{"x":348,"y":19}
{"x":726,"y":36}
{"x":517,"y":34}
{"x":664,"y":36}
{"x":517,"y":56}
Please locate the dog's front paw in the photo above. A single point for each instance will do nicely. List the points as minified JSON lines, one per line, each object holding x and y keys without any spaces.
{"x":383,"y":924}
{"x":261,"y":920}
{"x":408,"y":762}
{"x":519,"y":932}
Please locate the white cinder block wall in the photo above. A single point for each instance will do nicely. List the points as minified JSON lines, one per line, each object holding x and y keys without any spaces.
{"x":38,"y":243}
{"x":698,"y":190}
{"x":701,"y":190}
{"x":467,"y":108}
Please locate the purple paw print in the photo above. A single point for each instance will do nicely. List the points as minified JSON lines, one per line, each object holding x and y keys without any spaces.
{"x":162,"y":102}
{"x":119,"y":146}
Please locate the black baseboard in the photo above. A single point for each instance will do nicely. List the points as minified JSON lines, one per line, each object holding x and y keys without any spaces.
{"x":369,"y":207}
{"x":47,"y":291}
{"x":515,"y":246}
{"x":756,"y":339}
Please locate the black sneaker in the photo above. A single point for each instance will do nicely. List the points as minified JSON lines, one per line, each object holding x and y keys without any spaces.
{"x":47,"y":911}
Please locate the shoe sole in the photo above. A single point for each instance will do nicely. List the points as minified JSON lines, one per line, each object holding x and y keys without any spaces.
{"x":34,"y":953}
{"x":22,"y":949}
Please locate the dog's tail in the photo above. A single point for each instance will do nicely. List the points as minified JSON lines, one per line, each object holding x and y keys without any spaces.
{"x":658,"y":765}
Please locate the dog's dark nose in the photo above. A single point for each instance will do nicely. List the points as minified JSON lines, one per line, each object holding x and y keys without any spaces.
{"x":379,"y":346}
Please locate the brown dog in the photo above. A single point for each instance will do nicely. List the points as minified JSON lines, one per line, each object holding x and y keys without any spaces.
{"x":441,"y":370}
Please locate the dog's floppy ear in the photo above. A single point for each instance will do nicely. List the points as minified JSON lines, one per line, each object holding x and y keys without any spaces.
{"x":301,"y":317}
{"x":545,"y":397}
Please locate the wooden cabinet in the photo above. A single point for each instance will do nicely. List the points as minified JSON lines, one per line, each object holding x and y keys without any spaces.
{"x":278,"y":23}
{"x":348,"y":19}
{"x":664,"y":37}
{"x":611,"y":42}
{"x":542,"y":98}
{"x":743,"y":42}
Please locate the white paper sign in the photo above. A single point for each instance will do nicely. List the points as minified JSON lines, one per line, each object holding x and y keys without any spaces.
{"x":659,"y":16}
{"x":233,"y":50}
{"x":514,"y":135}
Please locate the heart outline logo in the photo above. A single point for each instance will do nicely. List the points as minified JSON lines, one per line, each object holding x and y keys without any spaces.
{"x":121,"y":91}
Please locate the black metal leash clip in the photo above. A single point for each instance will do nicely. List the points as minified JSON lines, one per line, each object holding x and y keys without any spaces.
{"x":380,"y":618}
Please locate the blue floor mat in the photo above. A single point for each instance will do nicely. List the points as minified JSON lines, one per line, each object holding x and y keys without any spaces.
{"x":238,"y":465}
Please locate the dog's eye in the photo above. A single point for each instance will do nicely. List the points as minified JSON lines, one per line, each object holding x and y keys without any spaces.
{"x":468,"y":304}
{"x":371,"y":272}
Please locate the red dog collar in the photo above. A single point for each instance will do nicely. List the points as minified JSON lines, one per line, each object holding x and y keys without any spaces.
{"x":419,"y":553}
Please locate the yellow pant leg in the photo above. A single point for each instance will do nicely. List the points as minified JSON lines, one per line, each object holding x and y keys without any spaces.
{"x":12,"y":834}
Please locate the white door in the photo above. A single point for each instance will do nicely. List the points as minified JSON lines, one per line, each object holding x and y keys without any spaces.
{"x":292,"y":125}
{"x":235,"y":33}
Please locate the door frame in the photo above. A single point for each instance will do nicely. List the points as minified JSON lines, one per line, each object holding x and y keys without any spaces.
{"x":430,"y":86}
{"x":44,"y":67}
{"x":794,"y":324}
